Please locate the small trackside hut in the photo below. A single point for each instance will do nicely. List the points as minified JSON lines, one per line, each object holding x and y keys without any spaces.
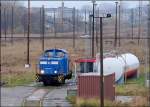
{"x":88,"y":80}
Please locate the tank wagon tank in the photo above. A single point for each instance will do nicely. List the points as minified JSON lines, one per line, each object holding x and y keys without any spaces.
{"x":130,"y":63}
{"x":53,"y":67}
{"x":125,"y":65}
{"x":111,"y":65}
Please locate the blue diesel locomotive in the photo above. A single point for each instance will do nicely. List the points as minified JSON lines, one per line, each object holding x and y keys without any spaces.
{"x":54,"y":67}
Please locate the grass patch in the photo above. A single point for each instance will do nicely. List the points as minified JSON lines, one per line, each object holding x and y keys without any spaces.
{"x":15,"y":79}
{"x":72,"y":100}
{"x":140,"y":81}
{"x":133,"y":87}
{"x":93,"y":102}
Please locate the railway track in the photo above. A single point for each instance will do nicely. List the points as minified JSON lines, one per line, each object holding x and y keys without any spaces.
{"x":51,"y":96}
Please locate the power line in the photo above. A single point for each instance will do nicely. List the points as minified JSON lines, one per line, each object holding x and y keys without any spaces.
{"x":71,"y":37}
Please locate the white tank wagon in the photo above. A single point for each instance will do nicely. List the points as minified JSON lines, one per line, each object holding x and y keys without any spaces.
{"x":130,"y":63}
{"x":111,"y":65}
{"x":125,"y":65}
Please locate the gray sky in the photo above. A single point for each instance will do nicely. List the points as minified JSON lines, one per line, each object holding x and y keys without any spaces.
{"x":77,"y":4}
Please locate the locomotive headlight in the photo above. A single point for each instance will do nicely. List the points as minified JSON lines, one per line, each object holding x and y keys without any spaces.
{"x":55,"y":71}
{"x":42,"y":71}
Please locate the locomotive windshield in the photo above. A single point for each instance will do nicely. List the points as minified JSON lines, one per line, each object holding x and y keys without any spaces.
{"x":48,"y":54}
{"x":57,"y":54}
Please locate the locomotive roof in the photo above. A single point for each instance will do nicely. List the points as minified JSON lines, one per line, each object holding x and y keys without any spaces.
{"x":63,"y":50}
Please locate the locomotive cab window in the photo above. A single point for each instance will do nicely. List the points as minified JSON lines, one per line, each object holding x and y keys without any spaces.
{"x":59,"y":54}
{"x":48,"y":54}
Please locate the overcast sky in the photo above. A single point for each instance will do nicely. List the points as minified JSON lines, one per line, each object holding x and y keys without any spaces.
{"x":77,"y":4}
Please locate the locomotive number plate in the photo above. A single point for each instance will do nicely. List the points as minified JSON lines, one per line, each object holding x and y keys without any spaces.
{"x":54,"y":62}
{"x":43,"y":62}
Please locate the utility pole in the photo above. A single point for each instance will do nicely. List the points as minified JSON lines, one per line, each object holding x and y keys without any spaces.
{"x":93,"y":28}
{"x":90,"y":33}
{"x":96,"y":39}
{"x":101,"y":60}
{"x":119,"y":24}
{"x":27,"y":65}
{"x":73,"y":19}
{"x":139,"y":28}
{"x":5,"y":22}
{"x":90,"y":21}
{"x":132,"y":21}
{"x":40,"y":22}
{"x":116,"y":23}
{"x":24,"y":22}
{"x":85,"y":31}
{"x":54,"y":24}
{"x":0,"y":33}
{"x":77,"y":21}
{"x":62,"y":15}
{"x":148,"y":35}
{"x":12,"y":24}
{"x":43,"y":26}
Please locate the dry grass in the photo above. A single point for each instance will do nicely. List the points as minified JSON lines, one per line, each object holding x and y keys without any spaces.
{"x":94,"y":102}
{"x":14,"y":56}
